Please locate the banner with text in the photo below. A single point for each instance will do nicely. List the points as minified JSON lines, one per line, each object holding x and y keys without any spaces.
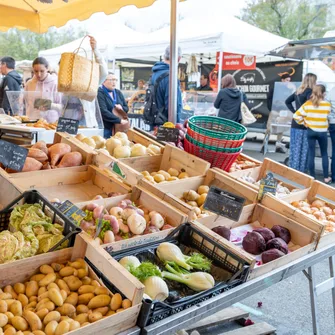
{"x":236,"y":61}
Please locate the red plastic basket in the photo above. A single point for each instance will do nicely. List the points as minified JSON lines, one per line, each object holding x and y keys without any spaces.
{"x":214,"y":142}
{"x":221,"y":160}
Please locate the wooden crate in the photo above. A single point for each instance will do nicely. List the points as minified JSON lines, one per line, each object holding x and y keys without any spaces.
{"x":318,"y":190}
{"x":76,"y":184}
{"x":21,"y":270}
{"x":171,"y":192}
{"x":288,"y":177}
{"x":8,"y":191}
{"x":138,"y":137}
{"x":302,"y":236}
{"x":140,"y":197}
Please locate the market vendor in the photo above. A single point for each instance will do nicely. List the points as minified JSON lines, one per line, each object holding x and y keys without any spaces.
{"x":109,"y":97}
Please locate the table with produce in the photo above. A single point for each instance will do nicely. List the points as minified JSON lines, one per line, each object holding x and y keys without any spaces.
{"x":132,"y":234}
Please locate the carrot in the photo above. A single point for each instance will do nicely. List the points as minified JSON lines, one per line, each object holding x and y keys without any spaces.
{"x":71,"y":159}
{"x":31,"y":164}
{"x":57,"y":151}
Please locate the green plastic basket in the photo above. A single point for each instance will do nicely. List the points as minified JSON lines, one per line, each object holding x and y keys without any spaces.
{"x":209,"y":147}
{"x":217,"y":127}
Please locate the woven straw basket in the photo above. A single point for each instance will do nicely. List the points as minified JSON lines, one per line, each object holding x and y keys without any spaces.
{"x":78,"y":75}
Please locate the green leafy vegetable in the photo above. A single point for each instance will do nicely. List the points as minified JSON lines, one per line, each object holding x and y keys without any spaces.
{"x":89,"y":215}
{"x":199,"y":261}
{"x":145,"y":270}
{"x":106,"y":225}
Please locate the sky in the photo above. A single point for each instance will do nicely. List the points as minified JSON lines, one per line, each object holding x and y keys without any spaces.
{"x":158,"y":15}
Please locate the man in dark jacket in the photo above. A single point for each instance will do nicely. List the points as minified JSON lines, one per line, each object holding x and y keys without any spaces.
{"x":108,"y":98}
{"x":162,"y":94}
{"x":204,"y":83}
{"x":12,"y":82}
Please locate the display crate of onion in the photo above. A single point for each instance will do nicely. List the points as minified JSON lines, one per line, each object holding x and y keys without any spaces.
{"x":289,"y":180}
{"x":310,"y":206}
{"x":269,"y":238}
{"x":242,"y":163}
{"x":217,"y":140}
{"x":130,"y":220}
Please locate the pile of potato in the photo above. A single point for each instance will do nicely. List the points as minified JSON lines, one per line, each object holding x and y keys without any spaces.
{"x":197,"y":200}
{"x":163,"y":176}
{"x":57,"y":300}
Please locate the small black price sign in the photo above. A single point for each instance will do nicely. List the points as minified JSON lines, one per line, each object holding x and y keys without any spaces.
{"x":71,"y":211}
{"x":224,"y":203}
{"x":267,"y":185}
{"x":168,"y":134}
{"x":12,"y":156}
{"x":69,"y":126}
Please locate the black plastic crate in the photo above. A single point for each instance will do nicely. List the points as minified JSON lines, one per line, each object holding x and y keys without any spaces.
{"x":228,"y":270}
{"x":34,"y":197}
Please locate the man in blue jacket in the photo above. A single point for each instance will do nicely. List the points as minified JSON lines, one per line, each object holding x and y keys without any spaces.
{"x":162,"y":93}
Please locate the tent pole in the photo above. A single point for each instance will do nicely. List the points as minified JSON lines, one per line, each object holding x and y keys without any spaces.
{"x":220,"y":70}
{"x":173,"y":82}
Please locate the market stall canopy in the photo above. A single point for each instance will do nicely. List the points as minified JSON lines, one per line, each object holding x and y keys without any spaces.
{"x":319,"y":48}
{"x":38,"y":16}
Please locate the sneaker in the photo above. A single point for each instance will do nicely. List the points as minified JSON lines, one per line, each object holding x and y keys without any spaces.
{"x":281,"y":150}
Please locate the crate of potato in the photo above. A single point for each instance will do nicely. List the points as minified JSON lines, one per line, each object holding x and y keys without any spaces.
{"x":190,"y":194}
{"x":309,"y":207}
{"x":289,"y":180}
{"x":59,"y":293}
{"x":77,"y":184}
{"x":130,"y":220}
{"x":269,"y":239}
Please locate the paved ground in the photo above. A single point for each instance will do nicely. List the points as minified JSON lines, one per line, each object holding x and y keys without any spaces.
{"x":286,"y":305}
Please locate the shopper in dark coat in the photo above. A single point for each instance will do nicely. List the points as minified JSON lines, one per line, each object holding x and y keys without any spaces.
{"x":229,"y":100}
{"x":109,"y":98}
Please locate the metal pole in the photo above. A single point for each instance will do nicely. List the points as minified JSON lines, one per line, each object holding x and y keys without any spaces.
{"x":173,"y":82}
{"x":220,"y":70}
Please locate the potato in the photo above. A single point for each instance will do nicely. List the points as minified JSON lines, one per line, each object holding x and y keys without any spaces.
{"x":165,"y":174}
{"x":159,"y":178}
{"x":41,"y":290}
{"x":201,"y":200}
{"x":51,"y":316}
{"x":203,"y":189}
{"x":26,"y":332}
{"x":65,"y":318}
{"x":85,"y":324}
{"x":150,"y":179}
{"x":38,"y":332}
{"x":110,"y":313}
{"x":31,"y":288}
{"x":173,"y":172}
{"x":53,"y":285}
{"x":126,"y":303}
{"x":153,"y":174}
{"x":74,"y":325}
{"x":116,"y":302}
{"x":119,"y":310}
{"x":86,"y":289}
{"x":73,"y":282}
{"x":67,"y":271}
{"x":102,"y":310}
{"x":37,"y":277}
{"x":145,"y":173}
{"x":16,"y":308}
{"x":57,"y":267}
{"x":44,"y":300}
{"x":48,"y":305}
{"x":34,"y":321}
{"x":19,"y":288}
{"x":51,"y":328}
{"x":5,"y":296}
{"x":63,"y":294}
{"x":43,"y":296}
{"x":92,"y":317}
{"x":67,"y":310}
{"x":3,"y":319}
{"x":86,"y":280}
{"x":72,"y":299}
{"x":95,"y":283}
{"x":173,"y":179}
{"x":48,"y":279}
{"x":78,"y":264}
{"x":19,"y":323}
{"x":82,"y":273}
{"x":191,"y":195}
{"x":81,"y":318}
{"x":63,"y":286}
{"x":101,"y":290}
{"x":3,"y":306}
{"x":85,"y":298}
{"x":192,"y":203}
{"x":10,"y":331}
{"x":9,"y":289}
{"x":42,"y":313}
{"x":101,"y":300}
{"x":183,"y":175}
{"x":56,"y":297}
{"x":45,"y":269}
{"x":33,"y":298}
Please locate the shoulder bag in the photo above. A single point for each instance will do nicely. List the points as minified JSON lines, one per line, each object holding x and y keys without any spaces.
{"x":247,"y":116}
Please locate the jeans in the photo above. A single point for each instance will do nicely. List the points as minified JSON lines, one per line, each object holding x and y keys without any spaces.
{"x":107,"y":133}
{"x":332,"y":137}
{"x":321,"y":137}
{"x":298,"y":149}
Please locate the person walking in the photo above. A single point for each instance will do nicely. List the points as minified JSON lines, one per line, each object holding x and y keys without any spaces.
{"x":298,"y":136}
{"x":314,"y":115}
{"x":331,"y":119}
{"x":229,"y":100}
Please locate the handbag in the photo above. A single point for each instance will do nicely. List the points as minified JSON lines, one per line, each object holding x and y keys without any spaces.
{"x":247,"y":116}
{"x":119,"y":127}
{"x":78,"y":75}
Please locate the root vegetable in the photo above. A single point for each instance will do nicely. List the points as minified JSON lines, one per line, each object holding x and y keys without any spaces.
{"x":277,"y":243}
{"x":156,"y":288}
{"x":121,"y":135}
{"x":57,"y":151}
{"x":121,"y":152}
{"x":201,"y":200}
{"x":98,"y":212}
{"x":173,"y":172}
{"x":191,"y":195}
{"x":138,"y":150}
{"x":156,"y":220}
{"x":222,"y":231}
{"x":109,"y":237}
{"x":31,"y":164}
{"x":282,"y":232}
{"x":41,"y":145}
{"x":88,"y":141}
{"x":151,"y":230}
{"x":113,"y":222}
{"x":99,"y":141}
{"x":111,"y":144}
{"x":266,"y":233}
{"x":136,"y":224}
{"x":158,"y":178}
{"x":165,"y":174}
{"x":318,"y":203}
{"x":203,"y":189}
{"x":80,"y":137}
{"x":71,"y":159}
{"x":183,"y":175}
{"x":123,"y":228}
{"x":37,"y":154}
{"x":271,"y":255}
{"x":254,"y":243}
{"x":116,"y":211}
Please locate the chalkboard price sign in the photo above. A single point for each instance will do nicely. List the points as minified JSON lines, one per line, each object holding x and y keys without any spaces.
{"x":69,"y":126}
{"x":267,"y":185}
{"x":168,"y":134}
{"x":12,"y":156}
{"x":71,"y":211}
{"x":224,"y":203}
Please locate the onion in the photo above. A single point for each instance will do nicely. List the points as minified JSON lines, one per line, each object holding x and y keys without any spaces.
{"x":327,"y":210}
{"x":318,"y":203}
{"x":320,"y":215}
{"x":121,"y":152}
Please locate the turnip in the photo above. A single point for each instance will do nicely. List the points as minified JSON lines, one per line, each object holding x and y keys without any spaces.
{"x":116,"y":211}
{"x":98,"y":212}
{"x":84,"y":225}
{"x":109,"y":237}
{"x":123,"y":228}
{"x":113,"y":222}
{"x":136,"y":224}
{"x":156,"y":219}
{"x":150,"y":230}
{"x":127,"y":212}
{"x":124,"y":203}
{"x":98,"y":197}
{"x":91,"y":207}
